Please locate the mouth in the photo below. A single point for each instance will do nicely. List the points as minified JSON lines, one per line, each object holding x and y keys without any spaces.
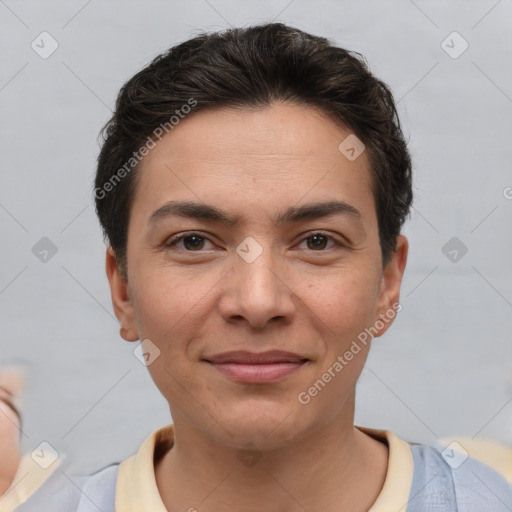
{"x":253,"y":368}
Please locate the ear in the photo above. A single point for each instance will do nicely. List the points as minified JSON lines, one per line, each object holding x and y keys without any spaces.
{"x":389,"y":297}
{"x":123,"y":307}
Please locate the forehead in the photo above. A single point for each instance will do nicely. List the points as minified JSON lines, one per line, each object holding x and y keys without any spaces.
{"x":281,"y":130}
{"x":269,"y":156}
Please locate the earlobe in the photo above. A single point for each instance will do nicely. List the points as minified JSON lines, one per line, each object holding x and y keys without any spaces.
{"x":391,"y":282}
{"x":121,"y":300}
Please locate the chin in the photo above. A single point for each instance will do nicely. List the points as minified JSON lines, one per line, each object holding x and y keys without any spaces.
{"x":268,"y":425}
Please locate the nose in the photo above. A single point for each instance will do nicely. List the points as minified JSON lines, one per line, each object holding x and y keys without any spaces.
{"x":257,"y":292}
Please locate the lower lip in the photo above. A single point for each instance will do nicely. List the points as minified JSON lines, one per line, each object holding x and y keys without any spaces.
{"x":257,"y":373}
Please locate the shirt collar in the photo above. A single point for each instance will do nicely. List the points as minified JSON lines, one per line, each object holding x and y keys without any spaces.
{"x":136,"y":488}
{"x":29,"y":476}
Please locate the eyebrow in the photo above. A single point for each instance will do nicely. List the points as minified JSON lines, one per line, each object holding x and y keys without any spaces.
{"x":293,"y":214}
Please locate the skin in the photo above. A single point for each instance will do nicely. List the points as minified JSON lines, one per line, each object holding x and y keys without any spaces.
{"x":9,"y":446}
{"x":193,"y":301}
{"x":9,"y":442}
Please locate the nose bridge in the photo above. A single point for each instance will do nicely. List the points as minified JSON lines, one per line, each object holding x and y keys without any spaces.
{"x":258,"y":279}
{"x":257,"y":292}
{"x":254,"y":266}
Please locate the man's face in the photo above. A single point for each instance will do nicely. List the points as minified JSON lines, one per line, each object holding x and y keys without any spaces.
{"x":306,"y":284}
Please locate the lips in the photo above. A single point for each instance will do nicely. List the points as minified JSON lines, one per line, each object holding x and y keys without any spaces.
{"x":245,"y":357}
{"x":253,"y":368}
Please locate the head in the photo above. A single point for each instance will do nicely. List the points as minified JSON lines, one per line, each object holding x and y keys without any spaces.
{"x":280,"y":159}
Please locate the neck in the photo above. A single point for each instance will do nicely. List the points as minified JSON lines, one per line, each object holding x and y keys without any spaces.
{"x":333,"y":467}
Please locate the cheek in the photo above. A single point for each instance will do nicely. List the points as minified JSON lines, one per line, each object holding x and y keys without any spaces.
{"x":166,"y":308}
{"x":345,"y":307}
{"x":167,"y":302}
{"x":344,"y":302}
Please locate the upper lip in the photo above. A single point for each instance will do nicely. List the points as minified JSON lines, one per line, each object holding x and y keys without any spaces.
{"x":246,"y":357}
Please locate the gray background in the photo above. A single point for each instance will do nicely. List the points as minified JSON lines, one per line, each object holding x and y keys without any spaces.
{"x":443,"y":369}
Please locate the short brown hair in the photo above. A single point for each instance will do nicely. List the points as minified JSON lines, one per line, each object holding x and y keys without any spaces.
{"x":252,"y":67}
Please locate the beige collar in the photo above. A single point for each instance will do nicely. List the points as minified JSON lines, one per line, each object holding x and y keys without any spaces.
{"x":137,"y":490}
{"x":29,"y":477}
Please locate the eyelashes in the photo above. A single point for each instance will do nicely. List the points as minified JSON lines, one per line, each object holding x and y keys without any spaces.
{"x":174,"y":240}
{"x":199,"y":238}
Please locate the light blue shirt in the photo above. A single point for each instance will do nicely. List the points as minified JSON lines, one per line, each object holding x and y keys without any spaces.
{"x":436,"y":487}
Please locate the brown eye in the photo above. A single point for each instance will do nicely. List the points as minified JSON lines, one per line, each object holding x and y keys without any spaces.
{"x":193,"y":242}
{"x":190,"y":243}
{"x":317,"y":242}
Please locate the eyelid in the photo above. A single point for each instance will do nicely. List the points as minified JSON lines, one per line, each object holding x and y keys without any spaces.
{"x":309,"y":234}
{"x":175,"y":239}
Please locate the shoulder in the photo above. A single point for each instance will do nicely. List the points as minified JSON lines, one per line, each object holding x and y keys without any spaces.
{"x":445,"y":479}
{"x":68,"y":493}
{"x":64,"y":491}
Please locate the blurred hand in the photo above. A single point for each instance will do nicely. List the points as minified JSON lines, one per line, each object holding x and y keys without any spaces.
{"x":11,"y":385}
